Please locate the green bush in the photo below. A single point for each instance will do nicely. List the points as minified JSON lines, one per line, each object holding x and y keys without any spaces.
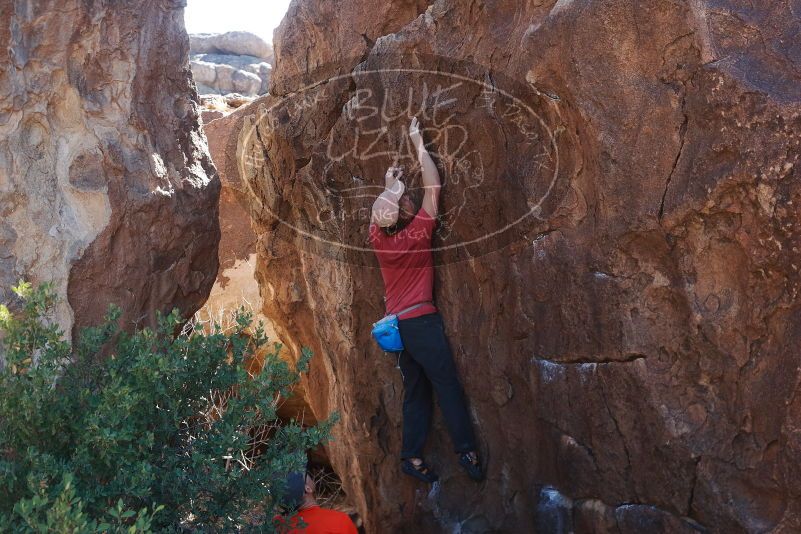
{"x":122,"y":433}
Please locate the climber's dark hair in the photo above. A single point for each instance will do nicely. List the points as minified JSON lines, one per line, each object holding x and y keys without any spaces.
{"x":415,"y":196}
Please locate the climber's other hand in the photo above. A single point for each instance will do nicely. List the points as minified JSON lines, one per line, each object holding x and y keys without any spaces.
{"x":393,"y":175}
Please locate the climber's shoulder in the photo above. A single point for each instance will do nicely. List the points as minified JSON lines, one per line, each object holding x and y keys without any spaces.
{"x":425,"y":215}
{"x":424,"y":220}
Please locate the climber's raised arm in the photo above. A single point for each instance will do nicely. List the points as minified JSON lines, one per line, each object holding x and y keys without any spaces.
{"x":431,"y":180}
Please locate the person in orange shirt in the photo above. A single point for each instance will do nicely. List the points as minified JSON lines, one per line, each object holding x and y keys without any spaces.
{"x":311,"y":518}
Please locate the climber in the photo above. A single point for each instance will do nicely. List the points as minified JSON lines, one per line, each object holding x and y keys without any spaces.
{"x":311,"y":518}
{"x":401,"y":232}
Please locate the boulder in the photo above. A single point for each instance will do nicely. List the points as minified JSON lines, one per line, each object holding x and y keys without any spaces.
{"x":247,"y":63}
{"x":224,"y":104}
{"x":224,"y":74}
{"x":232,"y":43}
{"x":106,"y":185}
{"x":205,"y":73}
{"x":209,"y":115}
{"x":617,"y":254}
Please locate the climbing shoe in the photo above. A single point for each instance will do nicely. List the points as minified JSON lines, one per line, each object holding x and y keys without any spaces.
{"x":420,"y":472}
{"x":471,"y":464}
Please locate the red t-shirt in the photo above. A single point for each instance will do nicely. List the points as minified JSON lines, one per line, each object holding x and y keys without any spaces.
{"x":407,"y":265}
{"x":318,"y":521}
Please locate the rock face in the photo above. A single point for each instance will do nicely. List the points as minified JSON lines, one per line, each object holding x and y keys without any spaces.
{"x":233,"y":62}
{"x":236,"y":285}
{"x":216,"y":107}
{"x":106,"y":185}
{"x":231,"y":43}
{"x":617,"y":258}
{"x":222,"y":74}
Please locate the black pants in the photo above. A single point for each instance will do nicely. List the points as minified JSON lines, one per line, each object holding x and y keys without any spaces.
{"x":427,"y":363}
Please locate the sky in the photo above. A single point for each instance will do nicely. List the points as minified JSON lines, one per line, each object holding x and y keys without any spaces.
{"x":257,"y":16}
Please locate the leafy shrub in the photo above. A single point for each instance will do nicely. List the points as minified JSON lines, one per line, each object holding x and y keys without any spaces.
{"x":121,"y":433}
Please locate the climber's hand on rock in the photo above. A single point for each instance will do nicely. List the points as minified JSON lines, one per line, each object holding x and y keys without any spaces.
{"x":415,"y":135}
{"x":393,"y":175}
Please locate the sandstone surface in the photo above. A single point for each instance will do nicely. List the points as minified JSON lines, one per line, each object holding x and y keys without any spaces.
{"x":617,"y":257}
{"x":222,"y":74}
{"x":236,"y":286}
{"x":233,"y":62}
{"x":234,"y":43}
{"x":106,"y":185}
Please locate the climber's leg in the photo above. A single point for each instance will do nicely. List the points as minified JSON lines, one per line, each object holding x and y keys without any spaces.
{"x":416,"y":407}
{"x":425,"y":338}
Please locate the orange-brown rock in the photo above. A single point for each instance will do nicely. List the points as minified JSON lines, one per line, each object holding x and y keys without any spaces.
{"x":106,"y":185}
{"x":617,"y":257}
{"x":236,"y":286}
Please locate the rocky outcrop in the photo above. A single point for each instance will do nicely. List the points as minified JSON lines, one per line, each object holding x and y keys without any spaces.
{"x":236,"y":286}
{"x":106,"y":185}
{"x":231,"y":43}
{"x":233,"y":62}
{"x":219,"y":74}
{"x":617,"y":257}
